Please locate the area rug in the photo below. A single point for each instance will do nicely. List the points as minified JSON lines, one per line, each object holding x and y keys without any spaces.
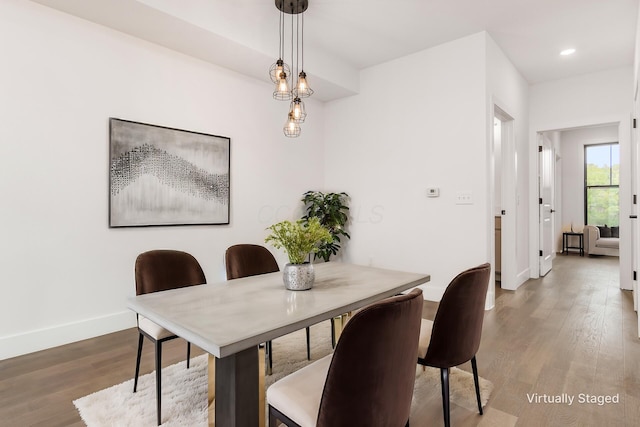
{"x":184,"y":391}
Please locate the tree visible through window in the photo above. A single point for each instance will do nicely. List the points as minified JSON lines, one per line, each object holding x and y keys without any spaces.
{"x":602,"y":178}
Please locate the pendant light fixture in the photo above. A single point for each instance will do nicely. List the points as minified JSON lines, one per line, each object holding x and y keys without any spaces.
{"x":281,"y":73}
{"x":291,"y":128}
{"x":302,"y":89}
{"x":297,"y":110}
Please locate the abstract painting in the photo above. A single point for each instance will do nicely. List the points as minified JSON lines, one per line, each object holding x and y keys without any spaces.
{"x":164,"y":176}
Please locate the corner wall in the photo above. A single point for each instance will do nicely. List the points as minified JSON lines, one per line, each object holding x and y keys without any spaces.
{"x":400,"y":136}
{"x":507,"y":89}
{"x":65,"y":275}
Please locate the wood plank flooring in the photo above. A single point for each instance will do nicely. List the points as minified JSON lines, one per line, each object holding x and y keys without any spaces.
{"x":573,"y":331}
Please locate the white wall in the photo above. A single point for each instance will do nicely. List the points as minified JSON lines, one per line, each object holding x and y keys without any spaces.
{"x":65,"y":275}
{"x":398,"y":137}
{"x":590,"y":99}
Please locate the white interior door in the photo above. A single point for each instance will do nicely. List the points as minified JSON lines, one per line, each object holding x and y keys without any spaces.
{"x":546,"y":175}
{"x":508,"y":200}
{"x":635,"y":241}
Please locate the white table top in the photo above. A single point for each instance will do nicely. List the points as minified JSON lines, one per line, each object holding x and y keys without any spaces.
{"x":227,"y":317}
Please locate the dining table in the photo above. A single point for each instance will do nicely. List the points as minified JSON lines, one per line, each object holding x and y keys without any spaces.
{"x":230,"y":319}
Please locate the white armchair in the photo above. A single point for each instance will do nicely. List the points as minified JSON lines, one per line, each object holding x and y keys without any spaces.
{"x":594,"y":244}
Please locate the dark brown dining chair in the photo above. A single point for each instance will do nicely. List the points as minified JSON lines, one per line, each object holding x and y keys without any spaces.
{"x":369,"y":379}
{"x":453,"y":337}
{"x":246,"y":260}
{"x":161,"y":270}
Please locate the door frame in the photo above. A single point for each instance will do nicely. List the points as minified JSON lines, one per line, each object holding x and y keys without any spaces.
{"x":542,"y":204}
{"x":508,"y":199}
{"x":624,"y":137}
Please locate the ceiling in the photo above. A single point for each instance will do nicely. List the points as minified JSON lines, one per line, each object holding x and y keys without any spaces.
{"x":344,"y":36}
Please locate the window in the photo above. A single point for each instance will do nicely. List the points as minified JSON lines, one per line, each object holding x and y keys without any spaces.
{"x":602,"y":178}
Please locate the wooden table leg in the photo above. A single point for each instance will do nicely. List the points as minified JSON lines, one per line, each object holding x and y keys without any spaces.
{"x":339,"y":323}
{"x":236,"y":387}
{"x":211,"y":409}
{"x":337,"y":328}
{"x":261,"y":390}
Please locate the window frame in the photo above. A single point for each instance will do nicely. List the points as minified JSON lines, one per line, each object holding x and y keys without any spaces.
{"x":587,"y":187}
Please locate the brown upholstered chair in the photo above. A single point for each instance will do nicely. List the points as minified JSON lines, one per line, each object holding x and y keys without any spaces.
{"x":246,"y":260}
{"x":369,"y":379}
{"x":453,"y":337}
{"x":161,"y":270}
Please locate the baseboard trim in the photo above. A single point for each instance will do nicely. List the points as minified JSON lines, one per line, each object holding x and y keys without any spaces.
{"x":42,"y":339}
{"x":523,"y":277}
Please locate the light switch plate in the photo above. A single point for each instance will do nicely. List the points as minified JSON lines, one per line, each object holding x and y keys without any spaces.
{"x":464,"y":198}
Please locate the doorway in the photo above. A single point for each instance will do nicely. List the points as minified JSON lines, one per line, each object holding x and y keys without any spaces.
{"x":504,"y":203}
{"x":567,"y":194}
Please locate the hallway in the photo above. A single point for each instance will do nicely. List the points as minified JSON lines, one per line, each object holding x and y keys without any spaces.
{"x":573,"y":332}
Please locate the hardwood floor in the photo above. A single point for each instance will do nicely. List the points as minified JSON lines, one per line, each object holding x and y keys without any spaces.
{"x":573,"y":331}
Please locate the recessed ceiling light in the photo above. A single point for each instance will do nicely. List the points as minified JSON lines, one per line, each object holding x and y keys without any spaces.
{"x":566,"y":52}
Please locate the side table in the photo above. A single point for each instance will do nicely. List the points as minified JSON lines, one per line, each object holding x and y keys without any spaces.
{"x":566,"y":242}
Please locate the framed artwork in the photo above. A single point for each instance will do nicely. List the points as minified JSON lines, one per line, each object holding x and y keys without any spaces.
{"x":164,"y":176}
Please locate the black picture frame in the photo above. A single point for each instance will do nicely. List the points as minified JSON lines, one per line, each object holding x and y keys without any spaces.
{"x":162,"y":176}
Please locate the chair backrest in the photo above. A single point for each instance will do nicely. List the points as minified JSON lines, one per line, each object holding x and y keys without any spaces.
{"x":457,"y":327}
{"x":372,"y":373}
{"x":249,"y":260}
{"x":162,"y":269}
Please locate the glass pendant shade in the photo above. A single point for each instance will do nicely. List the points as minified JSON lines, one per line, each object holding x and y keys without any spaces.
{"x":291,"y":128}
{"x":277,"y":69}
{"x":302,"y":89}
{"x":282,"y":91}
{"x":297,"y":110}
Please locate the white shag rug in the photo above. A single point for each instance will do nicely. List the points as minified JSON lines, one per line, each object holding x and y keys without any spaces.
{"x":184,"y":391}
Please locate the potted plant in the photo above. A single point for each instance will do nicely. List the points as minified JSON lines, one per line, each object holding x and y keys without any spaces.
{"x":298,"y":239}
{"x":331,"y":210}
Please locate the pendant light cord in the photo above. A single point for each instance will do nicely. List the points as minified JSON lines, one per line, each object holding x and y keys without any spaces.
{"x":302,"y":61}
{"x":280,"y":35}
{"x":292,"y":39}
{"x":298,"y":41}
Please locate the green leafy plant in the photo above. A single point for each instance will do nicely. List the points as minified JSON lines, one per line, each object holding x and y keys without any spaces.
{"x":331,"y":210}
{"x":299,"y":238}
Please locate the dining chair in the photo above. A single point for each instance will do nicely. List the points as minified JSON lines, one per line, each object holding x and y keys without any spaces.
{"x":246,"y":260}
{"x":453,"y":337}
{"x":161,"y":270}
{"x":369,"y":379}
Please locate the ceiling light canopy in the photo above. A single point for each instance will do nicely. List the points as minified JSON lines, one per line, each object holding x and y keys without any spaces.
{"x":281,"y":73}
{"x":567,"y":52}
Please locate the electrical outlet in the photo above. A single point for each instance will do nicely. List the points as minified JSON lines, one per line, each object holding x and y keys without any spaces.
{"x":464,"y":198}
{"x":433,"y":192}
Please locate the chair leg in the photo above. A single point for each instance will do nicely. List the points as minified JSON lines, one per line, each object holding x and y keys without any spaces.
{"x":268,"y":348}
{"x":333,"y":334}
{"x":474,"y":366}
{"x":135,"y":381}
{"x":188,"y":353}
{"x":444,"y":379}
{"x":308,"y":344}
{"x":159,"y":380}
